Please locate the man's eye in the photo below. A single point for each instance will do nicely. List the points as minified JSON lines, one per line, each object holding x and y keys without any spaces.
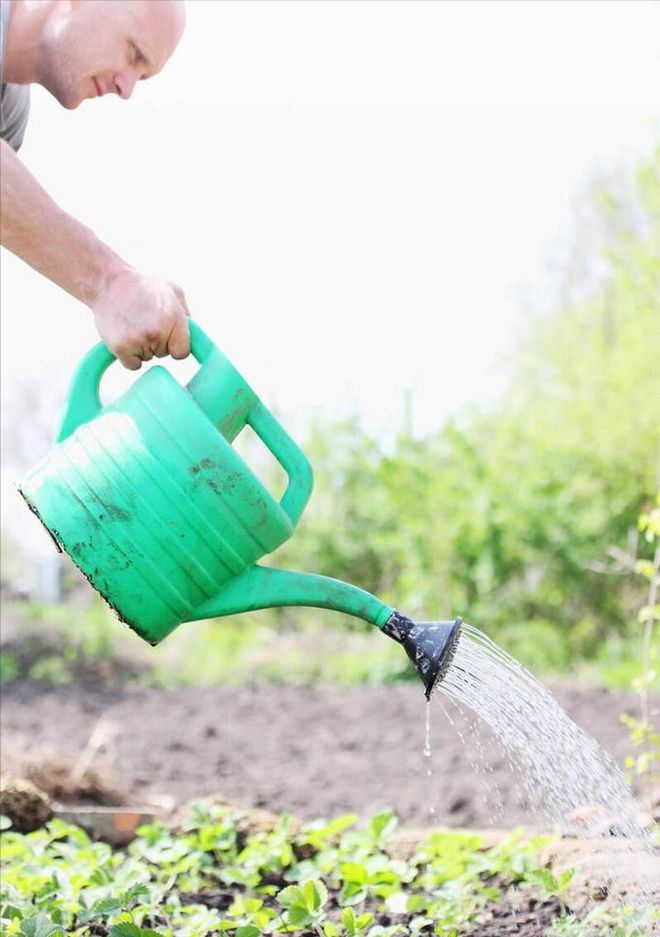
{"x":137,"y":55}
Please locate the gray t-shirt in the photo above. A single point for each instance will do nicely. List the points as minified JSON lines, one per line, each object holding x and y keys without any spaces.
{"x":14,"y":99}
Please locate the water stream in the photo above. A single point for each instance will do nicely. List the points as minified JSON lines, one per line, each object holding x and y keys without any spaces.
{"x":552,"y":755}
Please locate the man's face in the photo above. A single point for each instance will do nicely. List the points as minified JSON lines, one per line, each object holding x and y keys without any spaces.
{"x":96,"y":47}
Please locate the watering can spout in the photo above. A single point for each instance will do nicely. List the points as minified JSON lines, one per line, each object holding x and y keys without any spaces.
{"x":261,"y":587}
{"x":430,"y":645}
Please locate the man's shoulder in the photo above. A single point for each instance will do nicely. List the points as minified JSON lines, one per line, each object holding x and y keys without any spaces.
{"x":14,"y":99}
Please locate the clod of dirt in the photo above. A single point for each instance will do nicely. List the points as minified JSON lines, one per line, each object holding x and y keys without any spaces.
{"x":56,"y":776}
{"x":27,"y":807}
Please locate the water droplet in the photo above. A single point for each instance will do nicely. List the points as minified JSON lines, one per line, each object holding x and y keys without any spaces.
{"x":427,"y":739}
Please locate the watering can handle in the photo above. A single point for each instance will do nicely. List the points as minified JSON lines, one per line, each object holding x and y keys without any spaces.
{"x":292,"y":459}
{"x":84,"y":404}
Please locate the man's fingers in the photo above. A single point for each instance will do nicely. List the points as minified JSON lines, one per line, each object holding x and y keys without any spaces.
{"x":181,"y":296}
{"x":179,"y":342}
{"x":132,"y":362}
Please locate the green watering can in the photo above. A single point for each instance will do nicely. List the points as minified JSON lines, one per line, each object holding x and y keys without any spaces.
{"x":164,"y":518}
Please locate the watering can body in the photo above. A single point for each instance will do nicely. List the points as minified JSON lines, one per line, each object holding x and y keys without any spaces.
{"x":152,"y":502}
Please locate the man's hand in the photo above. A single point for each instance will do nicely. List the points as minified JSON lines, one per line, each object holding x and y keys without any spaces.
{"x":138,"y":316}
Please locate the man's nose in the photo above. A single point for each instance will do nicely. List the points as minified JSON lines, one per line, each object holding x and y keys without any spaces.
{"x":124,"y":83}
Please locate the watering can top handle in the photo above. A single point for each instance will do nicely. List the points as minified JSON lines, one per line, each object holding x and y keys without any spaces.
{"x":84,"y":404}
{"x":83,"y":401}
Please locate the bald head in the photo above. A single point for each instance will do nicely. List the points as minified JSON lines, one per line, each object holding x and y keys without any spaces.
{"x":88,"y":48}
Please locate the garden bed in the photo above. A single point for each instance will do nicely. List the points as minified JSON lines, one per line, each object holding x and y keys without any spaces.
{"x":309,"y":751}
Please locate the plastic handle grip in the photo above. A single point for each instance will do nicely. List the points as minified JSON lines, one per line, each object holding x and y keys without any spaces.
{"x":83,"y":402}
{"x":292,"y":459}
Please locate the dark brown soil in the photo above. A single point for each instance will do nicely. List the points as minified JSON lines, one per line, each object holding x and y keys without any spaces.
{"x":312,"y":752}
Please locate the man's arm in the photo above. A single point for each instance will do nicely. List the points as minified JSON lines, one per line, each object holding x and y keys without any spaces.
{"x":137,"y":316}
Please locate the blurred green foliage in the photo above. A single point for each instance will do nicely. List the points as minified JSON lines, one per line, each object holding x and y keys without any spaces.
{"x":521,"y":516}
{"x":514,"y":516}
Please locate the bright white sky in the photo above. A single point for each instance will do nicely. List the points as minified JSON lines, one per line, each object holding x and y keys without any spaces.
{"x":351,"y":194}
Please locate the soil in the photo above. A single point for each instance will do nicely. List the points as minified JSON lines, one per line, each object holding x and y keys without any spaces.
{"x":308,"y":751}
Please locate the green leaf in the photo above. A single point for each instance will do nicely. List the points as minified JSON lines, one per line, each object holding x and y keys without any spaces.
{"x":39,"y":926}
{"x":354,"y":873}
{"x":298,"y":914}
{"x":5,"y":822}
{"x":383,"y":824}
{"x":352,"y":894}
{"x":290,"y":896}
{"x":348,"y":919}
{"x":108,"y":906}
{"x":248,"y":931}
{"x":316,"y":894}
{"x":416,"y":903}
{"x":546,"y":880}
{"x":136,"y":891}
{"x":125,"y":929}
{"x":565,"y":878}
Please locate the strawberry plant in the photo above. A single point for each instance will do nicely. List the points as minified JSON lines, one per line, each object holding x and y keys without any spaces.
{"x":333,"y":879}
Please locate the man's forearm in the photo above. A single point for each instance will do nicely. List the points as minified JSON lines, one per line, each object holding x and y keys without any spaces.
{"x":137,"y":316}
{"x":35,"y":228}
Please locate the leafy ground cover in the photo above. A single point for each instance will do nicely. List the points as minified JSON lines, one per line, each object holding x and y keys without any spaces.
{"x":216,"y":874}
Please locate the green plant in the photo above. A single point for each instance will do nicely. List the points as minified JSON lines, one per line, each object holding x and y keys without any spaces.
{"x":304,"y":904}
{"x":334,"y":878}
{"x":52,"y":669}
{"x":9,"y":668}
{"x":644,"y":764}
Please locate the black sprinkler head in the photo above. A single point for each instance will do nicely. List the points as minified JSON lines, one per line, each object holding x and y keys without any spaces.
{"x":429,"y":644}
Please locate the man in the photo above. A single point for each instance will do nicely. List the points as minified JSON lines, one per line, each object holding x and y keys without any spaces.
{"x":80,"y":49}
